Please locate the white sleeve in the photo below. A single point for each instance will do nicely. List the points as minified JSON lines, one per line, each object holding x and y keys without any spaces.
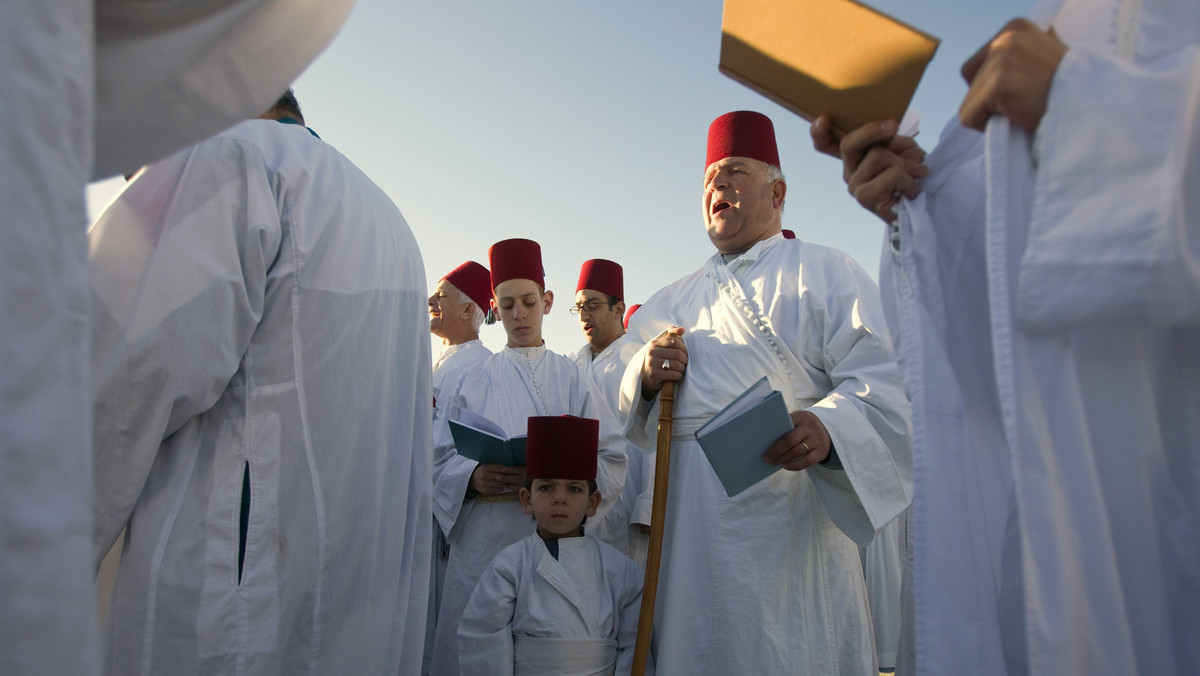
{"x":629,"y":608}
{"x":1114,"y":238}
{"x":178,"y":267}
{"x":485,"y":638}
{"x":866,"y":413}
{"x":612,"y":458}
{"x":451,"y":471}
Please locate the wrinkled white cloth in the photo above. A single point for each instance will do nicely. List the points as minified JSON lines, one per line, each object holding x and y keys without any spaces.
{"x":258,"y":303}
{"x":619,"y":526}
{"x":448,"y":367}
{"x":1047,"y":295}
{"x":739,"y":575}
{"x":69,"y":104}
{"x":586,"y":602}
{"x":507,"y":388}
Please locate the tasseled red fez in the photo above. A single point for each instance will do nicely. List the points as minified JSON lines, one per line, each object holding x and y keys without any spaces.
{"x":601,"y":275}
{"x":629,"y":313}
{"x":743,"y":133}
{"x":516,"y":259}
{"x":474,"y":280}
{"x":562,"y":447}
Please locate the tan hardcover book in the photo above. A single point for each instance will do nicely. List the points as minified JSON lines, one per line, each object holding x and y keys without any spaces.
{"x":834,"y":57}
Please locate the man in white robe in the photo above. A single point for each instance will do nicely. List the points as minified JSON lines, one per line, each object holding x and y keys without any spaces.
{"x":557,"y":602}
{"x":476,"y":504}
{"x":600,"y":306}
{"x":1043,"y":278}
{"x":769,"y":581}
{"x":263,"y":412}
{"x":91,"y":89}
{"x":457,"y":309}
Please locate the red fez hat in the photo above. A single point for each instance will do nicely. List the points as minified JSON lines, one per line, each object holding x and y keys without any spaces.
{"x":629,"y":313}
{"x":743,"y":133}
{"x":562,"y":447}
{"x":603,"y":276}
{"x":474,"y":280}
{"x":516,"y":259}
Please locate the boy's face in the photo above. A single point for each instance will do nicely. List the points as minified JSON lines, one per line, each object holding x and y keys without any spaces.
{"x":559,"y":505}
{"x":522,"y":304}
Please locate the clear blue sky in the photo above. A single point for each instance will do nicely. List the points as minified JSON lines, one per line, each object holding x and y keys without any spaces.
{"x":581,"y":125}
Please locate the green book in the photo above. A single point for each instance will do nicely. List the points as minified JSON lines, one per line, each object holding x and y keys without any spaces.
{"x":484,"y":441}
{"x":735,"y":439}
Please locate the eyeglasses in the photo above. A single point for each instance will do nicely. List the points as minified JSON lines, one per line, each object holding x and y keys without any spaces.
{"x":590,"y":306}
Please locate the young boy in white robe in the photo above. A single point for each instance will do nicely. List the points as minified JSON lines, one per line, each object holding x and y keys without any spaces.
{"x":556,"y":602}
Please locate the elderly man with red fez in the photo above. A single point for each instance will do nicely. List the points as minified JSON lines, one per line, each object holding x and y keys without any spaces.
{"x":769,"y":581}
{"x":458,"y":306}
{"x":600,"y":305}
{"x":477,"y":505}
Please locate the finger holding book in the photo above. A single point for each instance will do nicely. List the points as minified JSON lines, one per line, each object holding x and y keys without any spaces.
{"x":806,"y":445}
{"x":496,"y":479}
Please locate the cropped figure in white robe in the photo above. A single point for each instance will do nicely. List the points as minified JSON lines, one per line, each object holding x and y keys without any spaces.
{"x":458,"y":307}
{"x":475,"y":504}
{"x":600,"y":306}
{"x":263,"y":413}
{"x":556,"y":603}
{"x":1046,"y":286}
{"x":769,"y":581}
{"x":90,"y":89}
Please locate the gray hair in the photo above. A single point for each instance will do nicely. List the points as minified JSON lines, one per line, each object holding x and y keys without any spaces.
{"x":774,"y":173}
{"x":479,"y":315}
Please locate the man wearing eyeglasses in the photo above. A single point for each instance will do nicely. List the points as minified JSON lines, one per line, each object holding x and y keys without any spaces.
{"x":600,"y":307}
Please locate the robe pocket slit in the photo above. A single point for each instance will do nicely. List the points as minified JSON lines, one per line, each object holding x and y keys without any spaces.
{"x":239,"y":597}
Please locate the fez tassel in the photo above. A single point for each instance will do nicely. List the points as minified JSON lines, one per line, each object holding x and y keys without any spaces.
{"x":658,"y":513}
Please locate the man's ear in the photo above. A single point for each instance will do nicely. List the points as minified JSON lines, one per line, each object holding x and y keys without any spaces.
{"x":593,"y":502}
{"x":619,"y":308}
{"x":778,"y":192}
{"x":526,"y":499}
{"x":468,"y":311}
{"x":548,"y":299}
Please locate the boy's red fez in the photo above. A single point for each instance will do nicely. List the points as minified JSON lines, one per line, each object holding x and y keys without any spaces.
{"x":601,"y":275}
{"x":474,"y":280}
{"x":562,"y":447}
{"x":743,"y":133}
{"x":516,"y":259}
{"x":629,"y":313}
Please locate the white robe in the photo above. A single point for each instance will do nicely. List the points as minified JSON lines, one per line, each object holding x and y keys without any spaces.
{"x":618,"y":527}
{"x":83,"y":84}
{"x":450,"y":365}
{"x":770,"y":580}
{"x":507,"y":388}
{"x":1048,"y":297}
{"x":257,"y":299}
{"x":591,"y":591}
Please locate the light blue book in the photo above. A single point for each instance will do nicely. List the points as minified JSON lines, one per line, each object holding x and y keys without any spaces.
{"x":737,"y":436}
{"x":483,"y":441}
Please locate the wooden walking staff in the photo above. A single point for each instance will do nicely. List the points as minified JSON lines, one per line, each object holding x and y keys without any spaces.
{"x":658,"y":517}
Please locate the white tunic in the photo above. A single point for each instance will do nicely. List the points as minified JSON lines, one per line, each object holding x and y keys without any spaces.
{"x":507,"y":388}
{"x":618,"y":527}
{"x":258,"y":302}
{"x":79,"y":81}
{"x":769,"y":582}
{"x":589,"y":598}
{"x":1048,"y":298}
{"x":452,"y":363}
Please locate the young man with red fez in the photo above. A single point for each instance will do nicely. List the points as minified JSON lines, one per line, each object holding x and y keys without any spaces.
{"x":600,"y":306}
{"x":477,"y":505}
{"x":457,"y":308}
{"x":555,"y":602}
{"x":784,"y":552}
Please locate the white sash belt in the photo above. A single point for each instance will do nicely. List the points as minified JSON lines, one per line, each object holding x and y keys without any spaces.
{"x":536,"y":656}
